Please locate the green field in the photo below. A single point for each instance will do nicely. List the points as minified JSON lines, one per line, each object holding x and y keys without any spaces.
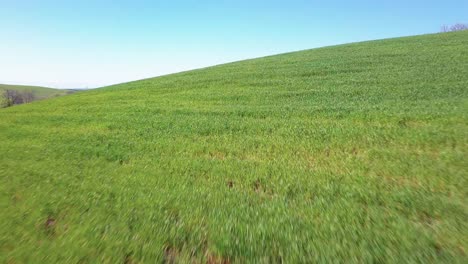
{"x":40,"y":92}
{"x":351,"y":153}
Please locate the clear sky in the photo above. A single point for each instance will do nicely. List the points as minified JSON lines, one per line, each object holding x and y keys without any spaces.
{"x":92,"y":43}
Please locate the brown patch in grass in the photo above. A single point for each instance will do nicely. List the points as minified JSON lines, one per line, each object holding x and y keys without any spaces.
{"x":310,"y":161}
{"x":50,"y":222}
{"x":128,"y":259}
{"x":49,"y":225}
{"x":16,"y":198}
{"x":261,"y":189}
{"x":217,"y":155}
{"x":426,"y":218}
{"x":230,"y":184}
{"x":123,"y":161}
{"x":403,"y":182}
{"x":257,"y":186}
{"x":170,"y":255}
{"x":438,"y":248}
{"x":212,"y":259}
{"x":462,"y":250}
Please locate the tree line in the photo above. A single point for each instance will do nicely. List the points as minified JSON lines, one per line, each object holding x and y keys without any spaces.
{"x":453,"y":28}
{"x":14,"y":97}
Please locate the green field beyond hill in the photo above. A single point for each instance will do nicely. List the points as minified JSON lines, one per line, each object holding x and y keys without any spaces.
{"x":351,"y":153}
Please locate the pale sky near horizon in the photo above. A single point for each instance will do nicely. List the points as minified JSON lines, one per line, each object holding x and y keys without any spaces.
{"x":79,"y":44}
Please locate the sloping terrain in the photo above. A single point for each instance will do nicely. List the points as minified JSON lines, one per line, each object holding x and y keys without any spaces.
{"x":351,"y":153}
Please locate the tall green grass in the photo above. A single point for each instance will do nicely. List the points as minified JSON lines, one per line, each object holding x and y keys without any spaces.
{"x":352,"y":153}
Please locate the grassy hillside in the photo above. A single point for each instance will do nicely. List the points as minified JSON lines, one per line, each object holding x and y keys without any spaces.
{"x":40,"y":92}
{"x":352,"y":153}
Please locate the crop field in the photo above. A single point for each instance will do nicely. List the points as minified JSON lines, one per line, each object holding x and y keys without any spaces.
{"x":351,"y":153}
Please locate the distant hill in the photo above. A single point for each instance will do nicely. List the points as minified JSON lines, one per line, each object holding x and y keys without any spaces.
{"x":41,"y":92}
{"x":38,"y":92}
{"x":354,"y":153}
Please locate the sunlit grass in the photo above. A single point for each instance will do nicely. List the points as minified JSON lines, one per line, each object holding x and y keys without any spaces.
{"x":353,"y":153}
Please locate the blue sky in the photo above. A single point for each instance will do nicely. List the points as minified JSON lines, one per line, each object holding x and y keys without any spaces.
{"x":71,"y":44}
